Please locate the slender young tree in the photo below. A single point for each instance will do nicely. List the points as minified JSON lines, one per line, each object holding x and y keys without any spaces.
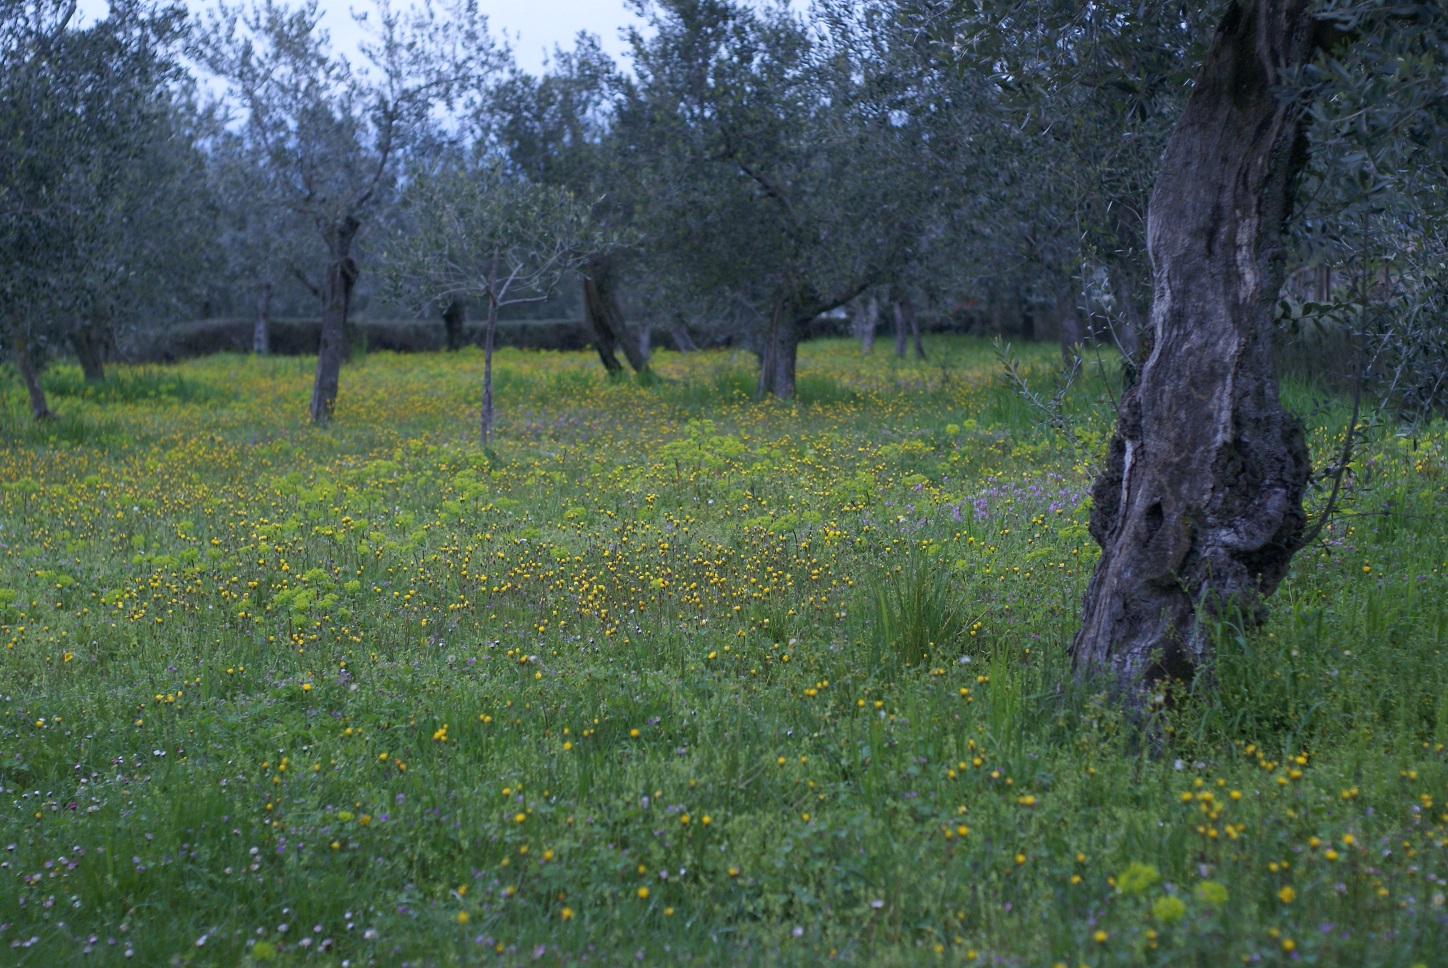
{"x":492,"y":238}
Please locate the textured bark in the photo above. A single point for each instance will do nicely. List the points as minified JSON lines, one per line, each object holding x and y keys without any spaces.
{"x":682,"y":340}
{"x":866,"y":320}
{"x":605,"y":319}
{"x":261,"y":331}
{"x":1199,"y":507}
{"x":25,"y":363}
{"x":646,"y":344}
{"x":907,"y":324}
{"x":92,"y":339}
{"x":902,"y":332}
{"x":914,"y":320}
{"x":601,"y":334}
{"x":781,"y":351}
{"x":336,"y":301}
{"x":454,"y":314}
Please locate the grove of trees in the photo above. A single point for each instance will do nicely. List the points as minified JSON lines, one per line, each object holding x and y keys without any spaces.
{"x":1189,"y":182}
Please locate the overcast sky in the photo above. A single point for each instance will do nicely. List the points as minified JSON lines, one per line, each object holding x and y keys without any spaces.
{"x":532,"y":27}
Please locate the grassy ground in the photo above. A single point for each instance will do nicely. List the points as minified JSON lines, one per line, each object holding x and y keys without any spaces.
{"x":673,"y":676}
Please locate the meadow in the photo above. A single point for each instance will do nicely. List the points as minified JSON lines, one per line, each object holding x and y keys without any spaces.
{"x":672,"y":676}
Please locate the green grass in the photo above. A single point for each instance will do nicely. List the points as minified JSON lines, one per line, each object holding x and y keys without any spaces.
{"x":673,"y":675}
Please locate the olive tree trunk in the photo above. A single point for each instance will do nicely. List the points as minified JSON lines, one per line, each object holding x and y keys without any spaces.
{"x":866,"y":319}
{"x":1199,"y":507}
{"x":605,"y":319}
{"x":25,"y":363}
{"x":780,"y":352}
{"x":683,"y":342}
{"x":336,"y":301}
{"x":91,"y":339}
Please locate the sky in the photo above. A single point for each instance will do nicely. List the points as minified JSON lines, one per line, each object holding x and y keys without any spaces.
{"x":531,"y":27}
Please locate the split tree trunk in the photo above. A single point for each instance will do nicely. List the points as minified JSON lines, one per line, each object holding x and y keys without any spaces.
{"x":1199,"y":508}
{"x":869,"y":320}
{"x":336,"y":300}
{"x":682,"y":340}
{"x":907,"y":325}
{"x":454,"y":315}
{"x":261,"y":331}
{"x":601,"y":334}
{"x":605,"y":319}
{"x":25,"y":363}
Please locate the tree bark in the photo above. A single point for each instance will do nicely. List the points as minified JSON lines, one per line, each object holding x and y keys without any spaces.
{"x":600,"y":332}
{"x":91,"y":339}
{"x":336,"y":301}
{"x":454,"y":314}
{"x":1199,"y":507}
{"x":914,"y":319}
{"x":645,"y":341}
{"x":25,"y":363}
{"x":605,"y":319}
{"x":261,"y":332}
{"x":866,"y":322}
{"x":902,"y":336}
{"x":682,"y":340}
{"x":781,"y":351}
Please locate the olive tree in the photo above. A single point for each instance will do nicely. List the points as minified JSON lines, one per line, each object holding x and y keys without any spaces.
{"x":91,"y":138}
{"x":783,"y":170}
{"x":330,"y":135}
{"x":1199,"y":508}
{"x":490,"y":237}
{"x":557,"y":129}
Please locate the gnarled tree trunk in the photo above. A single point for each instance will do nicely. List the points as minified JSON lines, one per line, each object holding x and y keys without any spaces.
{"x":336,"y":300}
{"x":605,"y":319}
{"x":907,"y":324}
{"x":683,"y":342}
{"x":866,"y":320}
{"x":25,"y":363}
{"x":1199,"y":508}
{"x":781,"y":351}
{"x":92,"y":339}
